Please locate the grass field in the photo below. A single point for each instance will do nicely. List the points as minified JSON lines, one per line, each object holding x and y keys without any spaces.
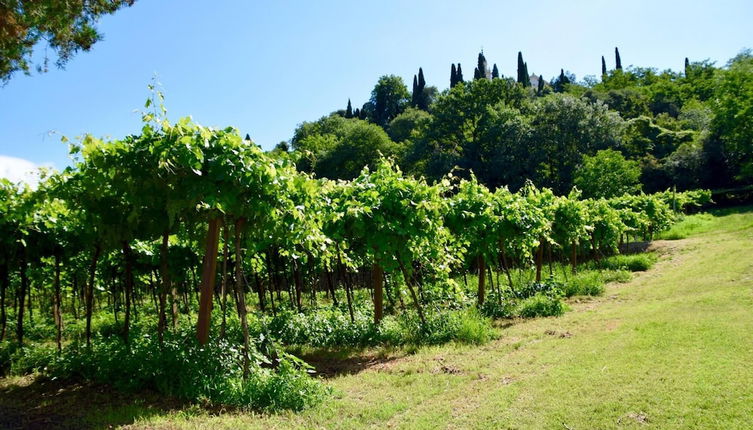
{"x":670,"y":349}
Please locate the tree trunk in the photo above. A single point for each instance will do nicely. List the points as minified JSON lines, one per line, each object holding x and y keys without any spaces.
{"x":331,"y":285}
{"x":90,"y":294}
{"x":377,"y":278}
{"x":4,"y":282}
{"x":241,"y":301}
{"x":56,"y":306}
{"x":164,"y":286}
{"x":207,"y":280}
{"x":298,"y":285}
{"x":347,"y":282}
{"x":128,"y":257}
{"x":22,"y":295}
{"x":408,"y":282}
{"x":223,"y":285}
{"x":539,"y":261}
{"x":29,"y":305}
{"x":481,"y":280}
{"x":574,"y":256}
{"x":259,"y":291}
{"x":506,"y":267}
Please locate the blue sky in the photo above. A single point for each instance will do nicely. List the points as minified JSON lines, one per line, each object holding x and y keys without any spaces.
{"x":264,"y":67}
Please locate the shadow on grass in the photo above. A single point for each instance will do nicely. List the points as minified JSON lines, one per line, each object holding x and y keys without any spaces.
{"x":39,"y":403}
{"x":331,"y":363}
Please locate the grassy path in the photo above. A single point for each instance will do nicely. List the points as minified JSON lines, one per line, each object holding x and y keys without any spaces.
{"x":673,"y":348}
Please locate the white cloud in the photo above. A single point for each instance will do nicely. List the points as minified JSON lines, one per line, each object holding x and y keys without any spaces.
{"x":19,"y":170}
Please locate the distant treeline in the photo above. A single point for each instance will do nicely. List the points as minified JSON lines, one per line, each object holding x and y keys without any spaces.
{"x":685,"y":130}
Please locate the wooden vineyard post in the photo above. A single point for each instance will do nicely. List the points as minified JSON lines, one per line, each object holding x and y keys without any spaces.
{"x":207,"y":280}
{"x":377,"y":278}
{"x":481,"y":280}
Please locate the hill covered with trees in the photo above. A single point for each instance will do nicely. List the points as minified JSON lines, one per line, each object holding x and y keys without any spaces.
{"x":685,"y":129}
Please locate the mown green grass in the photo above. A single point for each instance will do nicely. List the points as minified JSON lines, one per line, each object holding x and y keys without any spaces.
{"x":669,"y":349}
{"x":689,"y":225}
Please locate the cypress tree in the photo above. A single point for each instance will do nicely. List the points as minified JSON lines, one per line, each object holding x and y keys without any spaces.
{"x":540,"y":86}
{"x":560,"y":82}
{"x":357,"y":113}
{"x":476,"y":74}
{"x":617,"y":61}
{"x":414,"y":94}
{"x":521,"y":79}
{"x":453,"y":76}
{"x":421,"y":99}
{"x":495,"y":72}
{"x":687,"y":67}
{"x":526,"y":76}
{"x":482,"y":67}
{"x":459,"y":75}
{"x":603,"y":67}
{"x":248,"y":138}
{"x":349,"y":110}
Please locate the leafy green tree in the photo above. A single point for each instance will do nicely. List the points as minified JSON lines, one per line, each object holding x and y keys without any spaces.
{"x":454,"y":135}
{"x":608,"y":174}
{"x":564,"y":129}
{"x":388,"y":98}
{"x":733,"y":109}
{"x":408,"y":124}
{"x":338,"y":148}
{"x":65,"y":27}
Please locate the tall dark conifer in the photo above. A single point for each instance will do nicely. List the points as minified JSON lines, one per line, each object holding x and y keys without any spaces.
{"x":495,"y":72}
{"x":617,"y":60}
{"x":603,"y":67}
{"x":559,"y":84}
{"x":349,"y":110}
{"x":414,"y":94}
{"x":482,"y":66}
{"x":422,"y":101}
{"x":526,"y":77}
{"x":453,"y":76}
{"x":540,"y":86}
{"x":687,"y":67}
{"x":521,"y":72}
{"x":459,"y":74}
{"x":476,"y":74}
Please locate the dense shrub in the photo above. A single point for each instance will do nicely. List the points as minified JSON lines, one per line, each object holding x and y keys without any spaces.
{"x":632,"y":262}
{"x":495,"y":307}
{"x":541,"y":305}
{"x":181,"y":368}
{"x":332,"y":327}
{"x":549,"y":287}
{"x":585,"y":283}
{"x":463,"y":326}
{"x":323,"y":328}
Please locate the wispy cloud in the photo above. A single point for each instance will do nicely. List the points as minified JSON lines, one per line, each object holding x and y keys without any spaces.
{"x":20,"y":170}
